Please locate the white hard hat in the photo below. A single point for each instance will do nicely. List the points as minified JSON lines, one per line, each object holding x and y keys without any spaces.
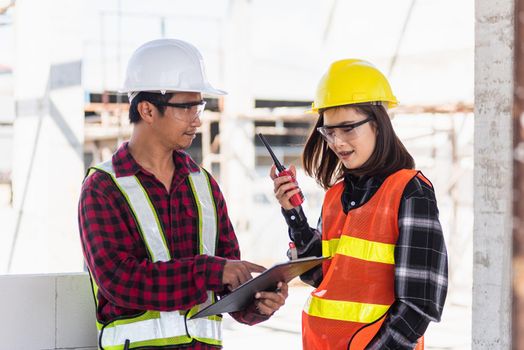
{"x":167,"y":65}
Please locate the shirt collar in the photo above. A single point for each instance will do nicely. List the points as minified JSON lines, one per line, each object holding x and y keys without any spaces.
{"x":125,"y":165}
{"x":364,"y":182}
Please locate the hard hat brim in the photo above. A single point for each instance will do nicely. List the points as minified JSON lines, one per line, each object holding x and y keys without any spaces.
{"x":207,"y":90}
{"x":387,"y":104}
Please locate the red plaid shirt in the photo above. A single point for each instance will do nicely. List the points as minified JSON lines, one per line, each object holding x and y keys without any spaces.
{"x":116,"y":256}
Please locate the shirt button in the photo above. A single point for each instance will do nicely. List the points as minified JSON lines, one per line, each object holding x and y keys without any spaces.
{"x":352,"y":203}
{"x":293,"y":217}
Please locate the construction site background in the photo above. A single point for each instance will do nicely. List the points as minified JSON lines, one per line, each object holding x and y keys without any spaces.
{"x":61,"y":114}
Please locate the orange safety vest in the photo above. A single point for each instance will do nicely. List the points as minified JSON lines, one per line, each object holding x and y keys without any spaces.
{"x":350,"y":304}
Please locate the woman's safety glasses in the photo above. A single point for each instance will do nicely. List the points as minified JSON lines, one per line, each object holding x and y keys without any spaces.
{"x":189,"y":110}
{"x":344,"y":132}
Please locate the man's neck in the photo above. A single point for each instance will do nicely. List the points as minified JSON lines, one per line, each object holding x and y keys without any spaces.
{"x":151,"y":155}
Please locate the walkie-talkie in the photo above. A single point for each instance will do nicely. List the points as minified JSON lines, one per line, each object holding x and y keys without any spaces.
{"x":298,"y":198}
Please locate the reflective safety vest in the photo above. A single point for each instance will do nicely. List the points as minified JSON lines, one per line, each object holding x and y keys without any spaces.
{"x":350,"y":304}
{"x":159,"y":328}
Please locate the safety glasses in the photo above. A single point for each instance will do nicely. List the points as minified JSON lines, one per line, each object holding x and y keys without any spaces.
{"x":344,"y":132}
{"x":189,"y":110}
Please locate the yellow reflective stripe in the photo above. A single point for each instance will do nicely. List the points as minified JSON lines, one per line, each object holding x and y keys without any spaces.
{"x":139,"y":224}
{"x":154,"y":342}
{"x":360,"y":249}
{"x":215,"y":211}
{"x":209,"y":341}
{"x":199,"y":209}
{"x":366,"y":250}
{"x":128,"y":200}
{"x":344,"y":310}
{"x":145,"y":316}
{"x":94,"y":289}
{"x":196,"y":308}
{"x":329,"y":247}
{"x":148,"y":315}
{"x":157,"y":220}
{"x":166,"y":342}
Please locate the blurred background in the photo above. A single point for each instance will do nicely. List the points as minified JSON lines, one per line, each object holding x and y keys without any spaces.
{"x":62,"y":63}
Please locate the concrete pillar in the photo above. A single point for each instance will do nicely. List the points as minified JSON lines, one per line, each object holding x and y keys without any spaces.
{"x":48,"y":137}
{"x":236,"y":133}
{"x":518,"y":185}
{"x":492,"y":246}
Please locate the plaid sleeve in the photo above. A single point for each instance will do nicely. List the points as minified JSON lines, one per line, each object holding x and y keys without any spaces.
{"x":312,"y":247}
{"x":421,"y":271}
{"x":115,"y":256}
{"x":308,"y":241}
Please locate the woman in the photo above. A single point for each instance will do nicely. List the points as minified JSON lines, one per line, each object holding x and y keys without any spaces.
{"x":387,"y":276}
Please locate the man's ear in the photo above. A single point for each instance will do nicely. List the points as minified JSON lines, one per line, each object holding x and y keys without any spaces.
{"x":146,"y":110}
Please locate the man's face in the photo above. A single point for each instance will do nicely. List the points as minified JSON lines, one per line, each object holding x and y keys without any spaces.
{"x":177,"y":127}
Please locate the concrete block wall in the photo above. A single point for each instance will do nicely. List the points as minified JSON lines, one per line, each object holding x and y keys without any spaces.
{"x":44,"y":312}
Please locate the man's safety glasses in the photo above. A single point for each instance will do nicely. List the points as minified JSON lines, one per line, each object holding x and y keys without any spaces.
{"x":343,"y":132}
{"x":190,"y":110}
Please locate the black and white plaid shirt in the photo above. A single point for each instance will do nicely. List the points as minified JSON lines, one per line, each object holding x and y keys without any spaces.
{"x":421,"y":267}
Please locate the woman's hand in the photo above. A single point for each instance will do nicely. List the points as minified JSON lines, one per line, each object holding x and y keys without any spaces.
{"x":284,"y":187}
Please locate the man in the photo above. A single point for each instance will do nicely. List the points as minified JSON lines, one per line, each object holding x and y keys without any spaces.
{"x":156,"y":235}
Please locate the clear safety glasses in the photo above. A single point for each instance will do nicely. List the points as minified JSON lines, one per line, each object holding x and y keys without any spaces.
{"x":189,"y":111}
{"x":344,"y":132}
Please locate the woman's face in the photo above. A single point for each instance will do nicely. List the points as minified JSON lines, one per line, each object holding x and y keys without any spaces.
{"x":353,"y":144}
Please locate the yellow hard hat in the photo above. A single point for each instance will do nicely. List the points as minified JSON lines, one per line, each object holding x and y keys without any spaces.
{"x":352,"y":81}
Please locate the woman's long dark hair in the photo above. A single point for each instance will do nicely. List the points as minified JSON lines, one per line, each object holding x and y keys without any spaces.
{"x":389,"y":155}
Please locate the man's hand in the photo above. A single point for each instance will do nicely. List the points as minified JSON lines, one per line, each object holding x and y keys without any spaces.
{"x":237,"y":272}
{"x":269,"y":302}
